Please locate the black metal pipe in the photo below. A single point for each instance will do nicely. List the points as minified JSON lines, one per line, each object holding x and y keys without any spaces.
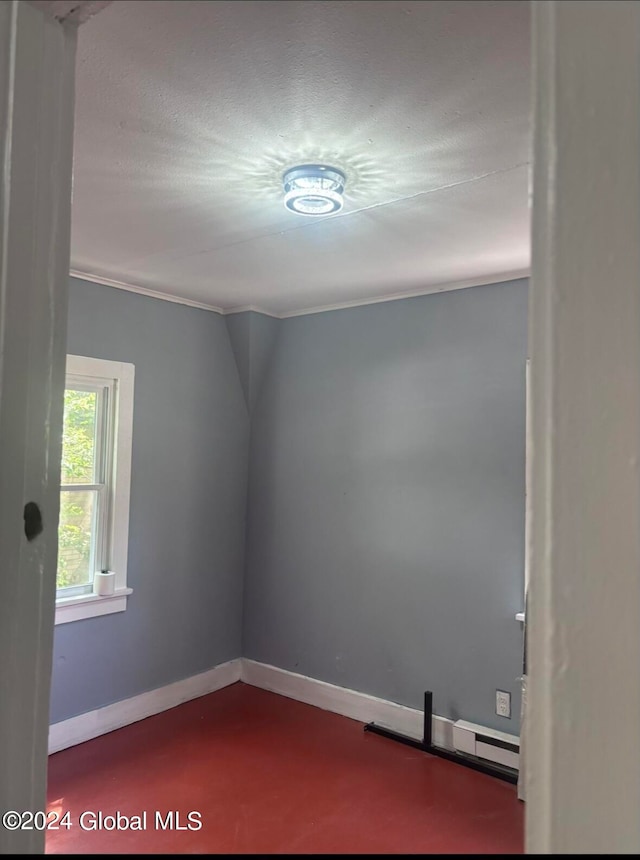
{"x":508,"y":774}
{"x":497,"y":770}
{"x":428,"y":718}
{"x":394,"y":736}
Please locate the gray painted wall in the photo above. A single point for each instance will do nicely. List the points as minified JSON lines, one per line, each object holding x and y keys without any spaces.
{"x":239,"y":328}
{"x":386,"y":500}
{"x":253,"y":336}
{"x":188,"y":496}
{"x":385,"y":507}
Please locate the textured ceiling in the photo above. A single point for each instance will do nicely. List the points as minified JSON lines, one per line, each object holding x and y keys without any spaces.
{"x":188,"y":113}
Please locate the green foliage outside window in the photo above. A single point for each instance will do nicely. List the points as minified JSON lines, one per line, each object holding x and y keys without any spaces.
{"x":76,"y":507}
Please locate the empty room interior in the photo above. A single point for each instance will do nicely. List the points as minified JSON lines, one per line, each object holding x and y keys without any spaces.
{"x":291,"y":569}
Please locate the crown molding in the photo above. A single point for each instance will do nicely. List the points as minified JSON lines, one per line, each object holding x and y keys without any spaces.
{"x":412,"y":294}
{"x":241,"y":309}
{"x":498,"y":278}
{"x":144,"y":291}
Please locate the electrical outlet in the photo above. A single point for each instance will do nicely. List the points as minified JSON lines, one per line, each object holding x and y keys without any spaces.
{"x":503,"y":703}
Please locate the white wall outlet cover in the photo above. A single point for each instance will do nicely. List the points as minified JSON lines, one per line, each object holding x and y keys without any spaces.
{"x":503,"y":703}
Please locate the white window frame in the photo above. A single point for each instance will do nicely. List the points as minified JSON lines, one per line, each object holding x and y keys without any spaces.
{"x":118,"y":378}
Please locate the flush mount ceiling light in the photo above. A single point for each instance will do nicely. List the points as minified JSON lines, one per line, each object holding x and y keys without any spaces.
{"x":313,"y":189}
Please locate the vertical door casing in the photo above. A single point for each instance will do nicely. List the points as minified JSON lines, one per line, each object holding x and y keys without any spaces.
{"x":37,"y":56}
{"x":583,"y":622}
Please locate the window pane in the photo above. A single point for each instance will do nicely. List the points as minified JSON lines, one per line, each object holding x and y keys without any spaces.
{"x":75,"y":533}
{"x":78,"y":438}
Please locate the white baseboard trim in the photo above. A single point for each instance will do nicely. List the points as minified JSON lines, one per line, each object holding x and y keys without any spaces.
{"x":320,"y":694}
{"x":348,"y":703}
{"x":84,"y":727}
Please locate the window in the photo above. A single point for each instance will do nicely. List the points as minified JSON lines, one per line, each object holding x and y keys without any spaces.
{"x":94,"y":492}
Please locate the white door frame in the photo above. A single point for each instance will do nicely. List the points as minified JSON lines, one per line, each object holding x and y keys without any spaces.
{"x":37,"y":56}
{"x":583,"y":719}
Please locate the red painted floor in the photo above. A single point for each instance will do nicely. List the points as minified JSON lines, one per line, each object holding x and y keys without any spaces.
{"x":272,"y":776}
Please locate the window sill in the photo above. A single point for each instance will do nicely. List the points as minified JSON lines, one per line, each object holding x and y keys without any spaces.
{"x":90,"y":605}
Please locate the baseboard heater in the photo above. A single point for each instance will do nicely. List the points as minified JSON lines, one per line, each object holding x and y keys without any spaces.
{"x":493,"y":753}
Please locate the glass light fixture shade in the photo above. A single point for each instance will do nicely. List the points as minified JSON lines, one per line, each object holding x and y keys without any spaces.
{"x":313,"y":189}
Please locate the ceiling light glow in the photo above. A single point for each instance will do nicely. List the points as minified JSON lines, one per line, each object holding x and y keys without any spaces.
{"x":313,"y":189}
